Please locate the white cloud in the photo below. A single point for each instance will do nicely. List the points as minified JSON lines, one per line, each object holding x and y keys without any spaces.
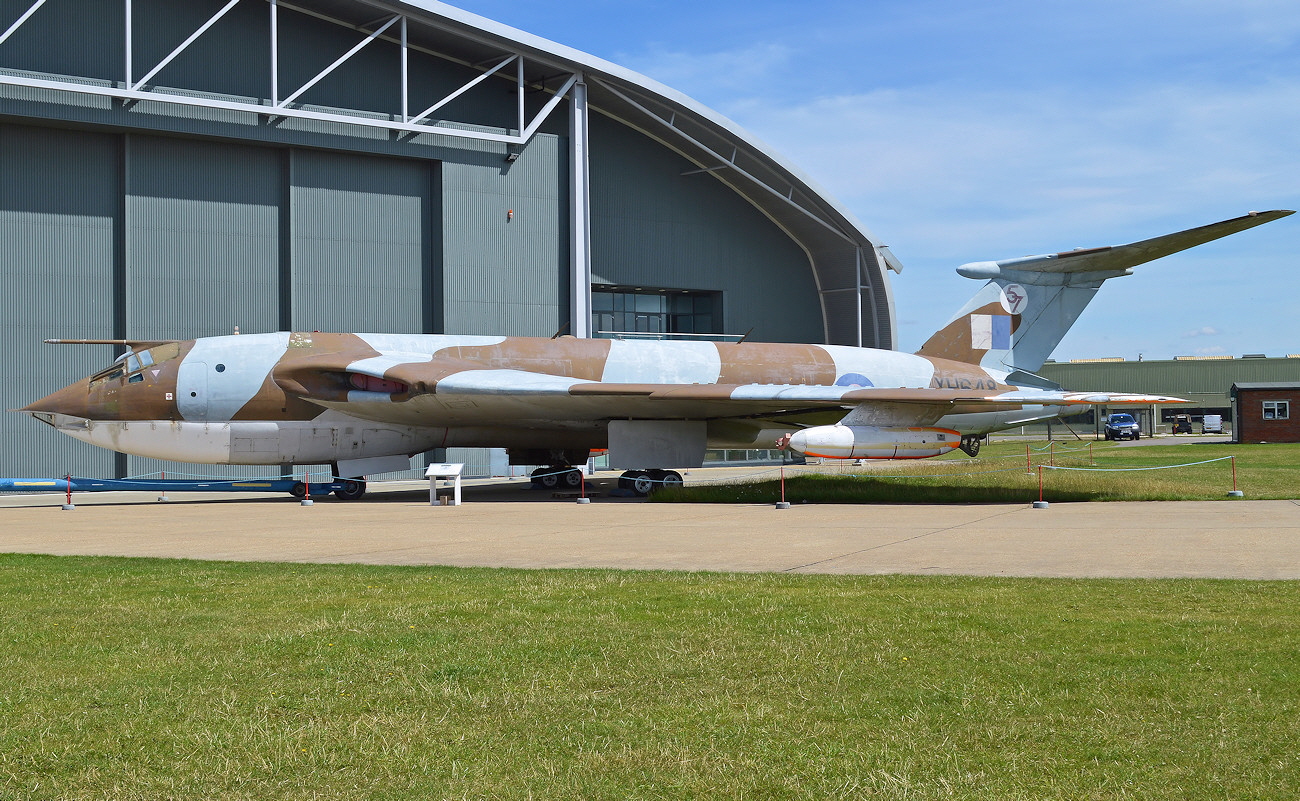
{"x":945,"y":177}
{"x":999,"y":164}
{"x":742,"y":71}
{"x":952,"y":151}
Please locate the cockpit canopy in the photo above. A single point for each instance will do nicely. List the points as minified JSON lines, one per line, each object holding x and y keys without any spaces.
{"x":132,"y":364}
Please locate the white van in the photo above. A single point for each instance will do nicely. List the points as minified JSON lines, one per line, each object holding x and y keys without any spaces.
{"x":1212,"y":424}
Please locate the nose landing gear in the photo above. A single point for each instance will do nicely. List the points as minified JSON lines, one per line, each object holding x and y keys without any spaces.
{"x":353,"y":489}
{"x":350,"y":489}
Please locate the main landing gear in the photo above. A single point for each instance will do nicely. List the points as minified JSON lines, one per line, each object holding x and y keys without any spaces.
{"x":644,"y":482}
{"x":971,"y":445}
{"x":641,"y":482}
{"x":557,"y":476}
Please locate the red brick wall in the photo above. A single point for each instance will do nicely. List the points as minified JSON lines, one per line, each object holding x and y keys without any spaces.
{"x":1251,"y":425}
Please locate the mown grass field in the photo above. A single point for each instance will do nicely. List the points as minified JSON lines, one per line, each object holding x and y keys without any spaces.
{"x":999,"y":475}
{"x":133,"y":679}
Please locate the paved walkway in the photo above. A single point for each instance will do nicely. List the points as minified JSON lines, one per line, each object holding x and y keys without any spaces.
{"x":510,"y":526}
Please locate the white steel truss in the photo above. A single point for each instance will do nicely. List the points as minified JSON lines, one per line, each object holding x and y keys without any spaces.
{"x":19,"y":23}
{"x":724,"y":162}
{"x":134,"y":89}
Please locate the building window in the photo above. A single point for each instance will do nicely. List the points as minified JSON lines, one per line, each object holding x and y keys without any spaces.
{"x":1277,"y":410}
{"x":655,"y":313}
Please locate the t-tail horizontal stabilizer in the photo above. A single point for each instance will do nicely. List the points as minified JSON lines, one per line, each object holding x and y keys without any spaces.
{"x":1017,"y":319}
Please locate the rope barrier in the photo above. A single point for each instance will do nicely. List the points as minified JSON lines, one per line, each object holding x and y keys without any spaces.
{"x":745,"y":478}
{"x":936,"y":475}
{"x":1133,"y":469}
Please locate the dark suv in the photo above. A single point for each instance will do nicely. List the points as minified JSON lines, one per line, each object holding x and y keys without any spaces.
{"x":1122,"y":426}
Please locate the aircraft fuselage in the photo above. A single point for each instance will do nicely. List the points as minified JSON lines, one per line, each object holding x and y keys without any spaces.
{"x":320,"y":397}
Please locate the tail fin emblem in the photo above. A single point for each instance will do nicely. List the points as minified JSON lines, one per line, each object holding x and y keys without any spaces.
{"x":1014,"y":298}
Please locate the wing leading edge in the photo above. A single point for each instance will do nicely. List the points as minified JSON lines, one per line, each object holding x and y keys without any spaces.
{"x":708,"y":400}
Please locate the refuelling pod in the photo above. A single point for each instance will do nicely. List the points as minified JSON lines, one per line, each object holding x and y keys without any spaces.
{"x":873,"y":442}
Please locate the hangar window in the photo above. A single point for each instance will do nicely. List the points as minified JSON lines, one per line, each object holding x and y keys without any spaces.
{"x":668,"y":313}
{"x":1277,"y":410}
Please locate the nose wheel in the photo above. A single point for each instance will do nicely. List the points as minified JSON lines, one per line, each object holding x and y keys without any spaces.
{"x":350,"y":489}
{"x":353,"y":489}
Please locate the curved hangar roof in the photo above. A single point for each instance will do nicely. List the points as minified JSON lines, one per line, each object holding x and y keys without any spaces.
{"x":849,"y":265}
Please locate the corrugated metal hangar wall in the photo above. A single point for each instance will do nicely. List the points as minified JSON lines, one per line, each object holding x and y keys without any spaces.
{"x":141,"y":219}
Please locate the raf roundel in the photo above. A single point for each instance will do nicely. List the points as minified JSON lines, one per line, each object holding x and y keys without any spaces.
{"x":1015,"y":299}
{"x":853,"y":380}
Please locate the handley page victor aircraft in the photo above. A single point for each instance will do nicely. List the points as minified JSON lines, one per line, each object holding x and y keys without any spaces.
{"x":367,"y":402}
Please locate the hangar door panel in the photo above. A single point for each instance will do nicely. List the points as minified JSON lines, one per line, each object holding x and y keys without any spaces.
{"x":658,"y":222}
{"x":507,"y":273}
{"x":58,"y":201}
{"x":360,"y":242}
{"x":202,"y":222}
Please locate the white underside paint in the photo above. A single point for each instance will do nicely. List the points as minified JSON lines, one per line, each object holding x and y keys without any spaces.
{"x":339,"y":439}
{"x":987,"y":422}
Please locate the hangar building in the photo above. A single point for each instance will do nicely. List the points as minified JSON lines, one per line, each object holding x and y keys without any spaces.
{"x":1207,"y":383}
{"x":179,"y":169}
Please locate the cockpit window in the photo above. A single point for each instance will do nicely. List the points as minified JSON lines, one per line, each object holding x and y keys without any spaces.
{"x":114,"y":371}
{"x":135,"y":362}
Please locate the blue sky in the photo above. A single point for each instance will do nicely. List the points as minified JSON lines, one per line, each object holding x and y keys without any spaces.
{"x":962,"y":132}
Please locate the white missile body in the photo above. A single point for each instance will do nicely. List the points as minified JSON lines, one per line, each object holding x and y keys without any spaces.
{"x":874,"y":442}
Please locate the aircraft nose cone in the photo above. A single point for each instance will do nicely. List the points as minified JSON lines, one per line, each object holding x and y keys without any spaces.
{"x":71,"y":401}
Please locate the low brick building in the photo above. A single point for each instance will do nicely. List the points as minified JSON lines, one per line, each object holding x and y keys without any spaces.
{"x":1266,"y":412}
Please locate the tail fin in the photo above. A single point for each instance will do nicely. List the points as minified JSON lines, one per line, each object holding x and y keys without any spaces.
{"x":1017,"y":319}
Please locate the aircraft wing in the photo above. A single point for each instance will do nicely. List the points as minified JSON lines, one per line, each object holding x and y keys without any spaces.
{"x":428,"y":389}
{"x":523,"y":383}
{"x":852,"y":396}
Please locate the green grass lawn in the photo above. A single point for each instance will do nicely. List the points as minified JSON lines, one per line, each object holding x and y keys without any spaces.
{"x":999,"y":475}
{"x":131,"y":679}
